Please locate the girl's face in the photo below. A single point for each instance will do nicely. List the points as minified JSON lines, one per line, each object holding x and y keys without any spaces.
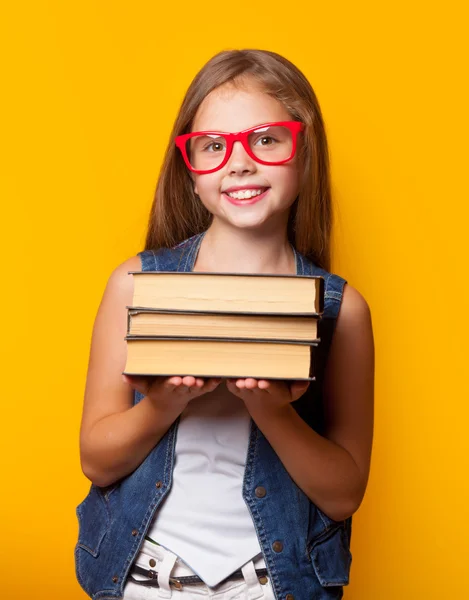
{"x":234,"y":109}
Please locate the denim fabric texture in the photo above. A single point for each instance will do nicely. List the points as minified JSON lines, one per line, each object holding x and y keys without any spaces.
{"x":314,"y":560}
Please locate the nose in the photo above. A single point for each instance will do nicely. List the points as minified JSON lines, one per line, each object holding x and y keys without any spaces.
{"x":240,"y":161}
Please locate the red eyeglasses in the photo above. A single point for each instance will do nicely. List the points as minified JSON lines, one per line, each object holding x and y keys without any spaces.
{"x":268,"y":144}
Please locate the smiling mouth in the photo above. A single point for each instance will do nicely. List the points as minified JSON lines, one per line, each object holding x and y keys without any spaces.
{"x":242,"y":198}
{"x":246,"y":194}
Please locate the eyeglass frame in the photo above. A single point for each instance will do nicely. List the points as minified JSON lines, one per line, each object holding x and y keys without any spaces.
{"x":241,"y":136}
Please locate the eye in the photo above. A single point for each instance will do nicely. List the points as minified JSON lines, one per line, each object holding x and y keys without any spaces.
{"x":214,"y":147}
{"x":211,"y":143}
{"x":266,"y":140}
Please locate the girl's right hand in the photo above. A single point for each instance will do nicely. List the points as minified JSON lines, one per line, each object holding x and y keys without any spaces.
{"x":173,"y":391}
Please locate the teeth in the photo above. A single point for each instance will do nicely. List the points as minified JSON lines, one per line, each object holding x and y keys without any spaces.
{"x":244,"y":194}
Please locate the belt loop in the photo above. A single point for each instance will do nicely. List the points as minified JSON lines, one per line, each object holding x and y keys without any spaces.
{"x":254,"y":588}
{"x":164,"y":571}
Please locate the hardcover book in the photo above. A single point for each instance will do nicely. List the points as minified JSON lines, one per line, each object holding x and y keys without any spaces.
{"x":228,"y":292}
{"x":150,"y":322}
{"x":219,"y":358}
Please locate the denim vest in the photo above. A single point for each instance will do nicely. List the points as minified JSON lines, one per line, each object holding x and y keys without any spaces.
{"x":312,"y":560}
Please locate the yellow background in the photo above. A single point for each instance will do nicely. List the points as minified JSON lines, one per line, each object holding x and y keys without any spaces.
{"x":90,"y":91}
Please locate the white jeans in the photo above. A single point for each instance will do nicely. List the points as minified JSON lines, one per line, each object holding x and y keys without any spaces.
{"x":167,"y":564}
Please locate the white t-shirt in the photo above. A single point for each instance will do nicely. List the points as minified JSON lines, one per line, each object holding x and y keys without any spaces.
{"x":204,"y":518}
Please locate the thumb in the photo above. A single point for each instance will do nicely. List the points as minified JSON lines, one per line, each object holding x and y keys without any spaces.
{"x":298,"y":388}
{"x":141,"y":384}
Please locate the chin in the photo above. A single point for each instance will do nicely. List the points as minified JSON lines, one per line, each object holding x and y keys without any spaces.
{"x":248,"y":222}
{"x":249,"y":217}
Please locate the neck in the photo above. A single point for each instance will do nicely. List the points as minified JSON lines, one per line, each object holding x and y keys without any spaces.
{"x":228,"y":249}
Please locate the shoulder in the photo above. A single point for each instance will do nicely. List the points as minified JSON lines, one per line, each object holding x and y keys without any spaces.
{"x":341,"y":300}
{"x":353,"y":331}
{"x":354,"y":309}
{"x":120,"y":281}
{"x":133,"y":263}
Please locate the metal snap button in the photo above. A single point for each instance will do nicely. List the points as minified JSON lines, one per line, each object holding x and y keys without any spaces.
{"x":134,"y":532}
{"x":289,"y":597}
{"x":260,"y":492}
{"x":277,"y":546}
{"x":159,"y":484}
{"x":263,"y":580}
{"x":152,"y":562}
{"x":115,"y":579}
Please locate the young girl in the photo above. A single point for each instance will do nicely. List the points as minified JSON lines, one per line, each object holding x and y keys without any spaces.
{"x":231,"y":489}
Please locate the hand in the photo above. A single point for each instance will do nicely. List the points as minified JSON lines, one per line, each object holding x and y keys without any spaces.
{"x":266,"y":393}
{"x":172,"y":391}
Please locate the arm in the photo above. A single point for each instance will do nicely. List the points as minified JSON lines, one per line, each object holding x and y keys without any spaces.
{"x":115,"y":435}
{"x":332,"y":470}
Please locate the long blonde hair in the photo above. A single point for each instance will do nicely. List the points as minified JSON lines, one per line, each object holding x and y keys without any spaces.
{"x":177,"y":213}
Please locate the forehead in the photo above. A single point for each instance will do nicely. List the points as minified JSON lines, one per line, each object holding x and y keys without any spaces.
{"x":232,"y":108}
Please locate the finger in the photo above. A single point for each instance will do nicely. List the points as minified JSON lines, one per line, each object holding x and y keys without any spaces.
{"x":250,"y":383}
{"x":263,"y":384}
{"x":298,"y":388}
{"x":240,"y":384}
{"x":134,"y":379}
{"x":206,"y":385}
{"x":141,"y":384}
{"x":182,"y":389}
{"x":232,"y":387}
{"x":173,"y":382}
{"x":275,"y":386}
{"x":203,"y":386}
{"x":212,"y":383}
{"x":188,"y":381}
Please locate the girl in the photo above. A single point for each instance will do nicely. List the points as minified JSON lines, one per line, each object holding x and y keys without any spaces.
{"x":230,"y":488}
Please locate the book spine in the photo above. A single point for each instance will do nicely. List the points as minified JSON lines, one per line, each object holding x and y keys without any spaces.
{"x":137,"y":310}
{"x":129,"y":317}
{"x":226,"y":274}
{"x":320,"y":296}
{"x":130,"y":337}
{"x":312,"y":366}
{"x":146,"y":309}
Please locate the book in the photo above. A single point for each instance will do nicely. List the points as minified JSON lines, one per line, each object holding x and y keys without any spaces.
{"x":228,"y":292}
{"x":219,"y":358}
{"x":159,"y":323}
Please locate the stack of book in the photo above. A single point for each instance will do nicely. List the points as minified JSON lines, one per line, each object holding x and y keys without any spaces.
{"x":223,"y":325}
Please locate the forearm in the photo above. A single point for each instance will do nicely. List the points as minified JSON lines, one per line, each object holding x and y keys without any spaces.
{"x":117,"y":444}
{"x":325,"y":472}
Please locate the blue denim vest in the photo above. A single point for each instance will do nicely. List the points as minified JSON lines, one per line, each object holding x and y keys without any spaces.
{"x":313,"y":560}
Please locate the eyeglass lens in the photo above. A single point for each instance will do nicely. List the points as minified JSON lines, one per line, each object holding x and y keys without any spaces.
{"x":270,"y":144}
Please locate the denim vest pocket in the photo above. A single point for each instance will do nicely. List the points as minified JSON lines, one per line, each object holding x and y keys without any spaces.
{"x":331,"y":556}
{"x":93,"y":520}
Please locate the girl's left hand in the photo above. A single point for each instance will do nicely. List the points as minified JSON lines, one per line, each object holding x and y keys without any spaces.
{"x":266,"y":393}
